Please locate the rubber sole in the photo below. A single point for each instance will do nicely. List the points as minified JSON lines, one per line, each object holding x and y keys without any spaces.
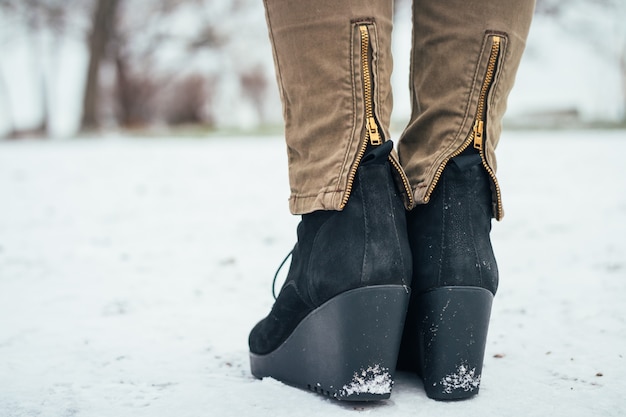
{"x":345,"y":349}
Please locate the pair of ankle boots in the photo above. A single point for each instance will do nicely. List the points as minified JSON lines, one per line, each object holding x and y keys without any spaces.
{"x":372,"y":289}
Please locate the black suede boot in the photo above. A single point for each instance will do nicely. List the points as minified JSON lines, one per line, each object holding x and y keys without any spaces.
{"x":336,"y":325}
{"x":454,"y":279}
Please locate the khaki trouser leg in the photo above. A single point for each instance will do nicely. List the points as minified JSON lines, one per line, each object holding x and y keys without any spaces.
{"x":456,"y":43}
{"x":317,"y":54}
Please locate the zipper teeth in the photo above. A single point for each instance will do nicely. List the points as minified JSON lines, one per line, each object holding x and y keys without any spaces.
{"x":367,"y":79}
{"x":369,"y":118}
{"x":482,"y":101}
{"x":497,"y":187}
{"x":405,"y":180}
{"x":367,"y":86}
{"x":439,"y":172}
{"x":491,"y":68}
{"x":352,"y":174}
{"x":493,"y":59}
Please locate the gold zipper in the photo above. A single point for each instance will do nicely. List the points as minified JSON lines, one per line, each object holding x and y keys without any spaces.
{"x":405,"y":181}
{"x":373,"y":134}
{"x":479,"y":122}
{"x":476,"y":136}
{"x":372,"y":127}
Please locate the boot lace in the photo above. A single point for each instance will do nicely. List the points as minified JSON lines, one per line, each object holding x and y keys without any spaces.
{"x":277,"y":271}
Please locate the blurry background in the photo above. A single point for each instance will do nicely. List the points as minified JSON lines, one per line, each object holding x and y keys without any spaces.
{"x":72,"y":67}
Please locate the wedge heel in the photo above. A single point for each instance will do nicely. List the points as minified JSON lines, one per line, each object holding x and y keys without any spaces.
{"x":449,"y":340}
{"x":346,"y":349}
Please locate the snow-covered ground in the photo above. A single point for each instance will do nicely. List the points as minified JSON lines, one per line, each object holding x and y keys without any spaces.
{"x":131,"y":271}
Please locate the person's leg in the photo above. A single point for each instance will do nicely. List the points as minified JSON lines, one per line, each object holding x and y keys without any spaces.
{"x":318,"y":60}
{"x":337,"y":322}
{"x":464,"y":59}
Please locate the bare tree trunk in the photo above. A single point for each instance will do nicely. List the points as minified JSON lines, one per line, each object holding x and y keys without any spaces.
{"x":103,"y":27}
{"x":38,"y":49}
{"x":6,"y":100}
{"x":124,"y":91}
{"x":622,"y":67}
{"x":42,"y":128}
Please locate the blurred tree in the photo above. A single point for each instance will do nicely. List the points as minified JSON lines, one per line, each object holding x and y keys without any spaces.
{"x":45,"y":22}
{"x":100,"y":37}
{"x":151,"y":47}
{"x":164,"y":74}
{"x":148,"y":62}
{"x":254,"y":86}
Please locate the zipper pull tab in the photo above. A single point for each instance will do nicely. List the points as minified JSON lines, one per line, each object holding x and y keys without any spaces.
{"x":478,"y":134}
{"x":372,"y":129}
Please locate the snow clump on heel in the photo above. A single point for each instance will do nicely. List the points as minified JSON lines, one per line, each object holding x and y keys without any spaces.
{"x":373,"y":380}
{"x":463,"y":379}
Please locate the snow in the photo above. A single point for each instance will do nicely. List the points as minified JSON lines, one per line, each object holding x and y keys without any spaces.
{"x":131,"y":271}
{"x":373,"y":380}
{"x":463,"y":379}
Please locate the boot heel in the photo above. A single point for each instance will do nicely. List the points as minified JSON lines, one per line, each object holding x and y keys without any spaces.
{"x":347,"y":348}
{"x":452,"y":332}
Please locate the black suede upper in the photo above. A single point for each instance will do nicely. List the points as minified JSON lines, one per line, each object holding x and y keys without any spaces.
{"x":365,"y":244}
{"x":450,"y":235}
{"x":450,"y":243}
